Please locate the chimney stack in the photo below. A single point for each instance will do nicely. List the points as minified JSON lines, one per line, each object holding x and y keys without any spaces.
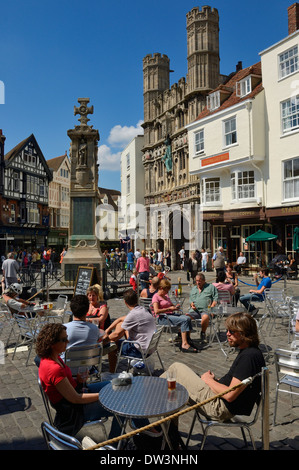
{"x":239,"y":66}
{"x":293,"y":17}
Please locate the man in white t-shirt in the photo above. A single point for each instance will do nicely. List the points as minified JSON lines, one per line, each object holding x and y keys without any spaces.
{"x":241,"y":260}
{"x":204,"y":260}
{"x":182,"y":257}
{"x":137,"y":254}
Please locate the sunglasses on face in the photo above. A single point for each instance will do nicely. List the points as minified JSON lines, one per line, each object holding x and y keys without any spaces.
{"x":232,"y":332}
{"x":63,"y":340}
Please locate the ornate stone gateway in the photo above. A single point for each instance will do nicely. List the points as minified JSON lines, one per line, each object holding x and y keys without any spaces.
{"x":84,"y":246}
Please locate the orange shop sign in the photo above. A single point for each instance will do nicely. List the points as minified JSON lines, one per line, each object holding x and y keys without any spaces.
{"x":215,"y":159}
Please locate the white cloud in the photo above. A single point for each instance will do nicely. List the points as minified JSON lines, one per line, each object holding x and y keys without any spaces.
{"x":108,"y":160}
{"x":120,"y":136}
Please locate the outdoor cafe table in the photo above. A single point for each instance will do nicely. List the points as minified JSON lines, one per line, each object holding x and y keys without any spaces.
{"x":145,"y":397}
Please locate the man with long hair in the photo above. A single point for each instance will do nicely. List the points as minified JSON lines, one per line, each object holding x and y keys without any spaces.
{"x":242,"y":334}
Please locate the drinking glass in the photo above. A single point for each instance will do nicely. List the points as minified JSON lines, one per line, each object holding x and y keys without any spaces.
{"x":83,"y":372}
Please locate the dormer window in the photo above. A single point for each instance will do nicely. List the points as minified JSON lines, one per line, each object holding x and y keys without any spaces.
{"x":243,"y":87}
{"x":213,"y":100}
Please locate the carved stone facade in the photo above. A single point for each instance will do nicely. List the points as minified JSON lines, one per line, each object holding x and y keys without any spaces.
{"x":167,"y":110}
{"x":83,"y":244}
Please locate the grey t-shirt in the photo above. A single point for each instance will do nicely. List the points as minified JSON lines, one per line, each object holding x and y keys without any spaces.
{"x":10,"y":268}
{"x":141,"y":326}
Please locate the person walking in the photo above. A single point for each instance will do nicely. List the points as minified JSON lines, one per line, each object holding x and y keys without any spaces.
{"x":11,"y":269}
{"x":142,"y":267}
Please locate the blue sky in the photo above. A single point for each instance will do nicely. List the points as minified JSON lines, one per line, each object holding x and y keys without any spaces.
{"x":53,"y":52}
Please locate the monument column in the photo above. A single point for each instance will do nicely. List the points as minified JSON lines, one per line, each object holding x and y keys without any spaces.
{"x":84,"y":246}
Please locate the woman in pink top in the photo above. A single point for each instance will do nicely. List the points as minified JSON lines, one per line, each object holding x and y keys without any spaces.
{"x":163,"y":306}
{"x":142,"y":267}
{"x":222,"y":285}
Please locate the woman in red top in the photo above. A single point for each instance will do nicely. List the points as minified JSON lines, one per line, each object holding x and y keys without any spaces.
{"x":142,"y":267}
{"x":73,"y":408}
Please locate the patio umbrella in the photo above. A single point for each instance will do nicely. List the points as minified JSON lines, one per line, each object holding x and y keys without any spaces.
{"x":296,"y":239}
{"x":261,"y":236}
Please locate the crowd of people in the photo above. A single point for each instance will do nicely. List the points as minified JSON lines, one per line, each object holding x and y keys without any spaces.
{"x":23,"y":259}
{"x":90,"y":318}
{"x":122,"y":259}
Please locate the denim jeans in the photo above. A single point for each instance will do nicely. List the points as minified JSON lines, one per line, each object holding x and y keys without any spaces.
{"x":182,"y":321}
{"x":144,"y":277}
{"x":248,"y":298}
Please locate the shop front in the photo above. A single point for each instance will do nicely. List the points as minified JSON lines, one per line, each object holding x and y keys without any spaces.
{"x":15,"y":238}
{"x":230,"y":229}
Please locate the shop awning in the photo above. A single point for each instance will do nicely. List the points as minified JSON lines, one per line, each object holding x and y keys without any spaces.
{"x":261,"y":236}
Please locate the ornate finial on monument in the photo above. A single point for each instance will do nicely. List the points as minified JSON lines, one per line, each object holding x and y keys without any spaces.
{"x":83,"y":110}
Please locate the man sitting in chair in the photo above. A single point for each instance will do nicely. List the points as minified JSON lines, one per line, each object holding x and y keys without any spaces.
{"x":81,"y":332}
{"x":257,"y":295}
{"x":242,"y":334}
{"x":138,"y":325}
{"x":202,"y":295}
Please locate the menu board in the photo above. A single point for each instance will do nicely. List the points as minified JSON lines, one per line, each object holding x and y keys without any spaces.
{"x":85,"y":277}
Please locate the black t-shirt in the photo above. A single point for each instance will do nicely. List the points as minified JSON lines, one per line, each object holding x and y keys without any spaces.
{"x":248,"y":363}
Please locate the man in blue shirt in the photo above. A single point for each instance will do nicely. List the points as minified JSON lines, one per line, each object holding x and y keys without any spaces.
{"x":257,"y":295}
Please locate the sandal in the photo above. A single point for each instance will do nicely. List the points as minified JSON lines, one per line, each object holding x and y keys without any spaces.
{"x":189,"y":350}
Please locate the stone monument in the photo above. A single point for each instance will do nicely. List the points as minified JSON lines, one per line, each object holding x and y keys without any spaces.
{"x":83,"y":245}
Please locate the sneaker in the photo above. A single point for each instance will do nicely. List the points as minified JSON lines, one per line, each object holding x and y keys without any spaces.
{"x":109,"y":347}
{"x":254,"y":312}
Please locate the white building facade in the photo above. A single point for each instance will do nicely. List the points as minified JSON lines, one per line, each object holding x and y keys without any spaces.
{"x":132,"y":216}
{"x":280,"y":68}
{"x":245,"y":148}
{"x":227,"y":151}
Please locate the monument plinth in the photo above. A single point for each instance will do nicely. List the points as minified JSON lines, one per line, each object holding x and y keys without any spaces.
{"x":83,"y":245}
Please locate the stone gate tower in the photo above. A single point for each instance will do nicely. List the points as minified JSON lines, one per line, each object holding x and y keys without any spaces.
{"x":202,"y":49}
{"x":167,"y":110}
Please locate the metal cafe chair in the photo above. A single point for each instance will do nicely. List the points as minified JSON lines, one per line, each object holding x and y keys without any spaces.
{"x":46,"y":403}
{"x":151,"y":349}
{"x":236,"y":422}
{"x":7,"y":321}
{"x":146,"y":303}
{"x":224,"y":296}
{"x":90,"y":356}
{"x":287,"y":373}
{"x":27,"y":329}
{"x":57,"y":440}
{"x":50,"y":411}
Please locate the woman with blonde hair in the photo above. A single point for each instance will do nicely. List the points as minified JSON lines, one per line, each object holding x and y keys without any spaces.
{"x":98,"y":309}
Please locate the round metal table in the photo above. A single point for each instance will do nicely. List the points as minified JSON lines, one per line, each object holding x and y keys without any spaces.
{"x":145,"y":397}
{"x":229,"y":310}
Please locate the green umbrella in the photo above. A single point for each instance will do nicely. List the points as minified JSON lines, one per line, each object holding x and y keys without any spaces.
{"x":296,"y":239}
{"x":261,"y":236}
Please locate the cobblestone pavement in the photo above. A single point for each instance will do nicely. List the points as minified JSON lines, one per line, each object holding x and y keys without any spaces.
{"x":22,"y":409}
